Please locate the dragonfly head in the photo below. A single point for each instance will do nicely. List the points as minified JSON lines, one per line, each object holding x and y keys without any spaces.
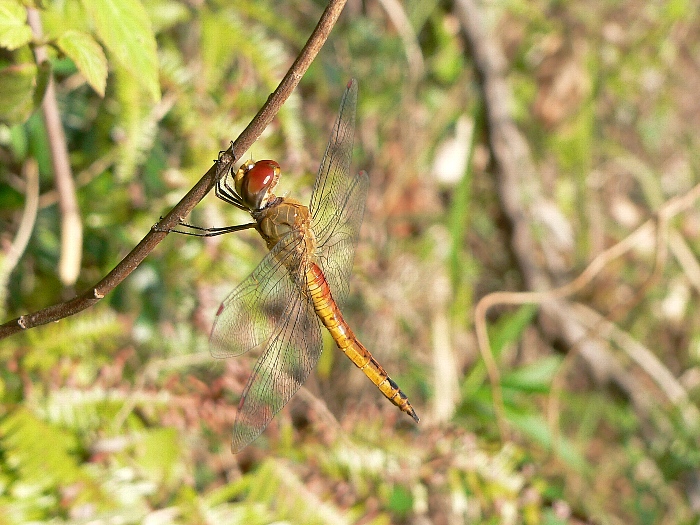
{"x":254,"y":182}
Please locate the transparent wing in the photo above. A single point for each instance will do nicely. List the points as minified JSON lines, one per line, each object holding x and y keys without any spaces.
{"x":269,"y":312}
{"x":338,"y":200}
{"x":248,"y":316}
{"x":337,"y":252}
{"x":291,"y":353}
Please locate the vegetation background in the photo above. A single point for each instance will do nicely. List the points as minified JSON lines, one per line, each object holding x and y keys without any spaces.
{"x":120,"y":415}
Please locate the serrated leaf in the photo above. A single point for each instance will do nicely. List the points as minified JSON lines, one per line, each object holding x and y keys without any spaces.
{"x":124,"y":28}
{"x":14,"y":31}
{"x":24,"y":437}
{"x":88,"y":57}
{"x":17,"y":88}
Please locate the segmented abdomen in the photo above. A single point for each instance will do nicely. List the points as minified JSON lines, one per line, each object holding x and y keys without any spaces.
{"x":329,"y":313}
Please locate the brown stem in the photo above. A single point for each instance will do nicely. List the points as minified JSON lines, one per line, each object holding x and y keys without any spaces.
{"x":205,"y":184}
{"x":71,"y":225}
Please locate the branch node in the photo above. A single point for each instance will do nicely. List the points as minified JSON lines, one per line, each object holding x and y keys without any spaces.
{"x":97,"y":294}
{"x":22,"y":322}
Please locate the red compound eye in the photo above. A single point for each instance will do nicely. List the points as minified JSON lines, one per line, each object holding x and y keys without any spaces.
{"x":261,"y":176}
{"x":257,"y":181}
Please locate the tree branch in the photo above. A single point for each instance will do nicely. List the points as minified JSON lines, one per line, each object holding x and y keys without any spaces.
{"x":203,"y":186}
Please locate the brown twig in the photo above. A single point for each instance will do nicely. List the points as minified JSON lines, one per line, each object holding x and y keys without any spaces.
{"x":71,"y":225}
{"x":516,"y":176}
{"x":397,"y":14}
{"x":552,"y":297}
{"x":26,"y":225}
{"x":249,"y":135}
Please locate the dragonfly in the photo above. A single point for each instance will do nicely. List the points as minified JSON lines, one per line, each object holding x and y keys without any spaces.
{"x":280,"y":307}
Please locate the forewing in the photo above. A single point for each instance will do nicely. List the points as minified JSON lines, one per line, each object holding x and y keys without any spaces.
{"x":337,"y":252}
{"x":248,"y":316}
{"x":333,"y":179}
{"x":337,"y":201}
{"x":292,"y":351}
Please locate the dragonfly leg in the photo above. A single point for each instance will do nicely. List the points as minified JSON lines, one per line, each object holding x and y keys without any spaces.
{"x":206,"y":232}
{"x":212,"y":232}
{"x":227,"y":194}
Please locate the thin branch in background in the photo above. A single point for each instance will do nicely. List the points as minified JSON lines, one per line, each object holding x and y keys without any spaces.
{"x":226,"y":160}
{"x":320,"y":407}
{"x":100,"y":165}
{"x":150,"y":373}
{"x":642,"y":356}
{"x":445,"y":369}
{"x":30,"y":171}
{"x":84,"y":177}
{"x":71,"y":225}
{"x":520,"y":194}
{"x":640,"y":235}
{"x":396,"y":13}
{"x":516,"y":176}
{"x":685,"y":257}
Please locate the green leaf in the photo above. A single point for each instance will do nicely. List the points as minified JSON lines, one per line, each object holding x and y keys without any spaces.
{"x":535,"y":377}
{"x":510,"y":327}
{"x":400,"y":501}
{"x":17,"y":88}
{"x":43,"y":77}
{"x":24,"y":438}
{"x":159,"y":454}
{"x":88,"y":57}
{"x":125,"y":30}
{"x":534,"y":426}
{"x":14,"y":31}
{"x":164,"y":14}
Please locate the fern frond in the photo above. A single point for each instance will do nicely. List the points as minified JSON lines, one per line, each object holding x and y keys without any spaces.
{"x":274,"y":487}
{"x":74,"y":337}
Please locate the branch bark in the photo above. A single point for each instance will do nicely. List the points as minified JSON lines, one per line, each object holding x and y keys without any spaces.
{"x":226,"y":159}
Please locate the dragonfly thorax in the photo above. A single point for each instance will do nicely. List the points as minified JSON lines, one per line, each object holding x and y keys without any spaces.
{"x":282,"y":217}
{"x":254,"y":182}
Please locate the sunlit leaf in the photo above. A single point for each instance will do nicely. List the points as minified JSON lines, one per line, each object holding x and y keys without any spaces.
{"x":17,"y":88}
{"x":534,"y":377}
{"x":22,"y":434}
{"x":14,"y":31}
{"x":125,"y":29}
{"x":510,"y":327}
{"x":159,"y":453}
{"x":535,"y":426}
{"x":166,"y":13}
{"x":88,"y":57}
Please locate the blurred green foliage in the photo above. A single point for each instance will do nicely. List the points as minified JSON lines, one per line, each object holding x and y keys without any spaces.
{"x":119,"y":414}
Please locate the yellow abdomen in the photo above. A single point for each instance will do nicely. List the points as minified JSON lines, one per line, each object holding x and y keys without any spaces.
{"x":332,"y":319}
